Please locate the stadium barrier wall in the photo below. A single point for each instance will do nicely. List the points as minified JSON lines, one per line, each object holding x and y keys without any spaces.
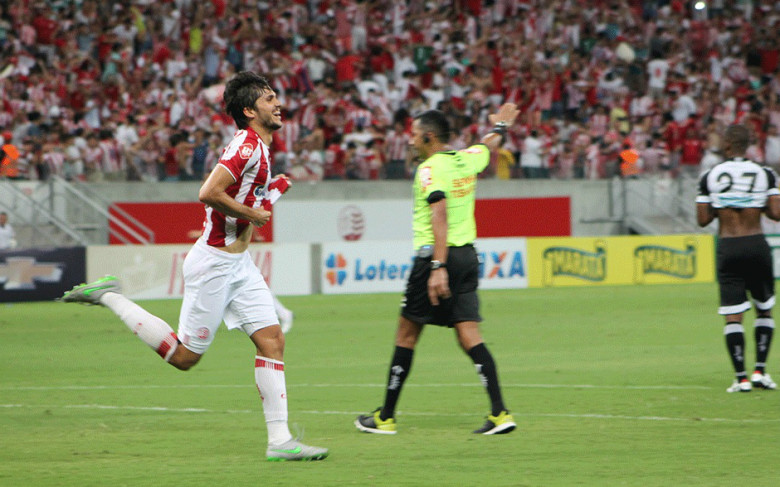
{"x":40,"y":274}
{"x":356,"y":219}
{"x":641,"y":259}
{"x":342,"y":267}
{"x":774,"y":244}
{"x":154,"y":271}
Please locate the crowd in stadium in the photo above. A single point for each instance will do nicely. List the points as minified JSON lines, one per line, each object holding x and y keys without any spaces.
{"x":131,"y":89}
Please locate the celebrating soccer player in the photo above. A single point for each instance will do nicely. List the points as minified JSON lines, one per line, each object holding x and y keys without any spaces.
{"x":221,"y":281}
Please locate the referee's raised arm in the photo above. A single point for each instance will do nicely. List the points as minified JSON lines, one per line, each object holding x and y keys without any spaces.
{"x":501,"y":120}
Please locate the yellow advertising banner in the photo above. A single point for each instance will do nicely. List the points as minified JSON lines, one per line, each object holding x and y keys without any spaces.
{"x":640,"y":259}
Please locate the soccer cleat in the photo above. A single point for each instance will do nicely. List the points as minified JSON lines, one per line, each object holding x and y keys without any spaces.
{"x":497,"y":425}
{"x":294,"y":450}
{"x":762,"y":381}
{"x":740,"y":386}
{"x":286,"y":320}
{"x":372,"y":423}
{"x":92,"y":292}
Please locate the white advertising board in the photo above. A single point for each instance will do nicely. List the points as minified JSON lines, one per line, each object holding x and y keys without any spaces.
{"x":154,"y":271}
{"x":343,"y":221}
{"x":375,"y":267}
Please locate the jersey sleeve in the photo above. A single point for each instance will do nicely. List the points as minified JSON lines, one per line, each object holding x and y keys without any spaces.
{"x":772,"y":179}
{"x":704,"y":191}
{"x":236,"y":156}
{"x":478,"y":155}
{"x":432,"y":182}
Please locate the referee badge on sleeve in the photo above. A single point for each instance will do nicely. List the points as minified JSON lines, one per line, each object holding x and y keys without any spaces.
{"x":425,"y":176}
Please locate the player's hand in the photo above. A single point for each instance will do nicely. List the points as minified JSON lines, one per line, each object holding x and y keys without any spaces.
{"x":438,"y":285}
{"x":261,"y":217}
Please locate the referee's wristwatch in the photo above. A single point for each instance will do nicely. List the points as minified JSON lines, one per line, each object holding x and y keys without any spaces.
{"x":437,"y":264}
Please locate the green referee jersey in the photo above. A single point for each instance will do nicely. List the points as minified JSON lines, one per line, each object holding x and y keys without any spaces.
{"x":453,"y":173}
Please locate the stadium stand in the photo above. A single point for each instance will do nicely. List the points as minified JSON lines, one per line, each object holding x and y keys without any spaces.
{"x":131,"y":90}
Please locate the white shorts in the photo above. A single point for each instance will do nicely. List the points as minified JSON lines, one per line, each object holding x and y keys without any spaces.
{"x":222,"y":286}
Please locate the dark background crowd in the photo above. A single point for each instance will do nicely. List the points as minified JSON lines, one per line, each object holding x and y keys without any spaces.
{"x":131,"y":90}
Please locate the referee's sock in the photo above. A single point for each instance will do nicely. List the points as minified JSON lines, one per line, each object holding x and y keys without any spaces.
{"x":399,"y":370}
{"x":486,"y":368}
{"x":735,"y":344}
{"x":764,"y":329}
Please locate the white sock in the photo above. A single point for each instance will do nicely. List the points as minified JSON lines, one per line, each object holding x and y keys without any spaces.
{"x":269,"y":377}
{"x":150,"y":329}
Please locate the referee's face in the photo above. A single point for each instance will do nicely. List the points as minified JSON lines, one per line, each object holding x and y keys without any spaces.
{"x":416,"y":140}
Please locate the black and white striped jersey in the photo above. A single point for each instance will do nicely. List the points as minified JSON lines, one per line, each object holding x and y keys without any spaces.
{"x":737,"y":183}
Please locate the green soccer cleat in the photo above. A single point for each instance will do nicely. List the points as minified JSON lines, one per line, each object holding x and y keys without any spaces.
{"x":497,"y":425}
{"x":294,"y":450}
{"x":92,"y":292}
{"x":372,"y":423}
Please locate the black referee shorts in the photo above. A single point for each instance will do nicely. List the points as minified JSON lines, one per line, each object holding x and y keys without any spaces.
{"x":463,"y":271}
{"x":745,"y":264}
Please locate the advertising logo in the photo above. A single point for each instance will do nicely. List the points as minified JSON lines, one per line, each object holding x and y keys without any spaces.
{"x":19,"y":273}
{"x":499,"y":265}
{"x":363,"y":274}
{"x":577,"y":263}
{"x":350,"y":223}
{"x":668,"y":261}
{"x":336,"y":269}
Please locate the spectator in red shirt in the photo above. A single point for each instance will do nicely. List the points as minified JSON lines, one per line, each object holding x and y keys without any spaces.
{"x":692,"y":152}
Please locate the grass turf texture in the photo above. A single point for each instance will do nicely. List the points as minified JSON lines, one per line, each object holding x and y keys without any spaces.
{"x":609,"y":386}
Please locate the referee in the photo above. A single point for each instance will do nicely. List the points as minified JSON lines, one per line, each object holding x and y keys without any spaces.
{"x":442,"y":287}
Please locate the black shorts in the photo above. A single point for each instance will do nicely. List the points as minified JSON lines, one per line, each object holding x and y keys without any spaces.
{"x":745,"y":264}
{"x":463,"y":271}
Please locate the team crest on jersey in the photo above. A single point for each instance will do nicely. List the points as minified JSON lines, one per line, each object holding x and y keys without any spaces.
{"x":472,"y":150}
{"x":245,"y":151}
{"x":425,"y":176}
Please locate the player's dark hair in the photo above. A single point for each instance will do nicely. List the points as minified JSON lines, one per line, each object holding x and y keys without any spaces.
{"x":737,"y":138}
{"x":436,"y":122}
{"x":241,"y":92}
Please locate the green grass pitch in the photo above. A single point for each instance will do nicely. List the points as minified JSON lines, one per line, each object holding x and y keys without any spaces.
{"x":609,"y":386}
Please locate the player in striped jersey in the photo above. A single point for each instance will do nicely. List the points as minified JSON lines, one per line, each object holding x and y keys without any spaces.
{"x":221,"y":281}
{"x":736,"y":192}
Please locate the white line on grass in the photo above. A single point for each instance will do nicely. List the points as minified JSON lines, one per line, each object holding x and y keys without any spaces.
{"x":232,"y":386}
{"x":400,"y":413}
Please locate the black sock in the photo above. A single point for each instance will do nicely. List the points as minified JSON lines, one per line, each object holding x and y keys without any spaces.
{"x":399,"y":369}
{"x":764,"y":330}
{"x":486,"y":368}
{"x":735,"y":344}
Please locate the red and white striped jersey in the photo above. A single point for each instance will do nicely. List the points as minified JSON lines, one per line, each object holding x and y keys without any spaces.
{"x":249,"y":162}
{"x":397,"y":145}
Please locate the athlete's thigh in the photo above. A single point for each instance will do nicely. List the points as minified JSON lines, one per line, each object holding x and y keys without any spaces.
{"x":760,"y":278}
{"x":206,"y":292}
{"x":251,"y":305}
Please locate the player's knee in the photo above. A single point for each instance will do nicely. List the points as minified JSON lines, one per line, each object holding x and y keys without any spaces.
{"x":184,"y":359}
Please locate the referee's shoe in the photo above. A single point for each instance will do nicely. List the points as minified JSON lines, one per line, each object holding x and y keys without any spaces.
{"x":497,"y":425}
{"x":372,"y":423}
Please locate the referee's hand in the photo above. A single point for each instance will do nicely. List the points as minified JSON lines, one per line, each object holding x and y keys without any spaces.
{"x":438,"y":285}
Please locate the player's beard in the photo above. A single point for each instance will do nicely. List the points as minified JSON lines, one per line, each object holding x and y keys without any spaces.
{"x":271,"y":124}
